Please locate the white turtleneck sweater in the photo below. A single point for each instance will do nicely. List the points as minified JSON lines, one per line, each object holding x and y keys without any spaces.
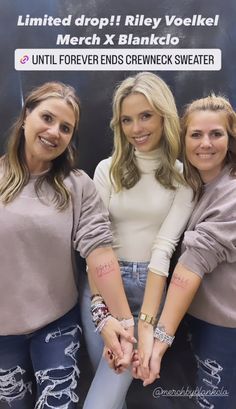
{"x":148,"y":219}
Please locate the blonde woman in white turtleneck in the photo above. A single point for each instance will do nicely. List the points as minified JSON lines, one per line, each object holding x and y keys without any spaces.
{"x":149,"y":204}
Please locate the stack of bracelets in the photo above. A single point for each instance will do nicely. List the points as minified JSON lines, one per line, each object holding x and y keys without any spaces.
{"x":100,"y":314}
{"x":159,"y":332}
{"x":99,"y":311}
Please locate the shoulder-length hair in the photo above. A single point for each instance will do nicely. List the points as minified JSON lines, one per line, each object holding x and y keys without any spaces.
{"x":15,"y":170}
{"x":216,"y":104}
{"x":124,"y":172}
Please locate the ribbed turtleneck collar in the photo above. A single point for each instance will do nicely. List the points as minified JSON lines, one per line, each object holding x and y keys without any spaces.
{"x":148,"y":161}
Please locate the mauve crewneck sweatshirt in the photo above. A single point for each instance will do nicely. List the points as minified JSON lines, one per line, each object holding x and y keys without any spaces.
{"x":37,"y":283}
{"x":209,"y":250}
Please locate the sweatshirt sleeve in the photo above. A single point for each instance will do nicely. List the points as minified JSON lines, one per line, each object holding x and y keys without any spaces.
{"x":213,"y":241}
{"x":171,"y":230}
{"x":91,"y":223}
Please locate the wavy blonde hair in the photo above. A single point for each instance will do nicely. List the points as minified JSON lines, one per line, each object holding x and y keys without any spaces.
{"x":15,"y":170}
{"x":216,"y":104}
{"x":124,"y":172}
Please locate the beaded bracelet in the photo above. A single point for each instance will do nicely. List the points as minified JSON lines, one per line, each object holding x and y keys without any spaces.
{"x":99,"y":311}
{"x":95,"y":296}
{"x":100,"y":314}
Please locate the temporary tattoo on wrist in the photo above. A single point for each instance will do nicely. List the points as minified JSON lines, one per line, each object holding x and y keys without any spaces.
{"x":104,"y":269}
{"x":179,"y":281}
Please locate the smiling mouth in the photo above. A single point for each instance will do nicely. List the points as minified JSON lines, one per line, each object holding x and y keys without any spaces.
{"x":141,"y":139}
{"x":46,"y":142}
{"x":205,"y":155}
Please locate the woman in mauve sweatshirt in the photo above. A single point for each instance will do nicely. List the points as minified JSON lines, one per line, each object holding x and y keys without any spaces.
{"x":48,"y":208}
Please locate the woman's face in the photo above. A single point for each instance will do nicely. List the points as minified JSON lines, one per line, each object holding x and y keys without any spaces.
{"x":206,"y":142}
{"x":48,"y":131}
{"x":141,"y":125}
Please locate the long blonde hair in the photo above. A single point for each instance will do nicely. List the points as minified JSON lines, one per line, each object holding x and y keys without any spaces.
{"x":124,"y":172}
{"x":216,"y":104}
{"x":15,"y":171}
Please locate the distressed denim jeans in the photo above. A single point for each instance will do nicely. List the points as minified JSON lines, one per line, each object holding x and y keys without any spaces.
{"x":214,"y":348}
{"x":40,"y":370}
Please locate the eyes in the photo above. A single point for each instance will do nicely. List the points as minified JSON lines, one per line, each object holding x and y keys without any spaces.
{"x":49,"y":119}
{"x":213,"y":134}
{"x":125,"y":120}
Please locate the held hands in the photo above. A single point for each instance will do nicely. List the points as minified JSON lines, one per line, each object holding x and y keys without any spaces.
{"x":147,"y":359}
{"x":159,"y":348}
{"x":119,"y":363}
{"x":118,"y":335}
{"x":145,"y":347}
{"x":118,"y":343}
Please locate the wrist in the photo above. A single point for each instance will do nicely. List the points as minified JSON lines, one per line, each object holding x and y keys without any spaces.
{"x":159,"y":348}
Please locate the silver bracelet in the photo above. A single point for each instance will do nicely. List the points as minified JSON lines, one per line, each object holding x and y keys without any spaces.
{"x":162,"y":336}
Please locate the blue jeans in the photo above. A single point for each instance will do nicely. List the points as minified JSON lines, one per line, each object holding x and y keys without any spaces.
{"x":108,"y":390}
{"x":215,"y":350}
{"x":40,"y":370}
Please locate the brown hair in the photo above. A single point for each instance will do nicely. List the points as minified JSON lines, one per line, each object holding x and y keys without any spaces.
{"x":15,"y":170}
{"x":216,"y":104}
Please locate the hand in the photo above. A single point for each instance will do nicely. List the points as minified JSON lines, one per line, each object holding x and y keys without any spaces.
{"x":115,"y":363}
{"x":136,"y":371}
{"x":145,"y":346}
{"x":112,"y":333}
{"x":127,"y":349}
{"x":159,"y":349}
{"x":110,"y":358}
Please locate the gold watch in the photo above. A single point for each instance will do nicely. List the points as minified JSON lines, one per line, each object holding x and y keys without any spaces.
{"x":147,"y":318}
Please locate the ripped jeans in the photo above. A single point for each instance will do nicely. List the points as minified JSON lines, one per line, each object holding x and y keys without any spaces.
{"x":40,"y":370}
{"x":214,"y":348}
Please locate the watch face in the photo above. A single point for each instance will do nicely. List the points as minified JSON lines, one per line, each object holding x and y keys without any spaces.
{"x":147,"y":318}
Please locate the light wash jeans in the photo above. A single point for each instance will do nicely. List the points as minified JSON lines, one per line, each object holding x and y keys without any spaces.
{"x":40,"y":370}
{"x":108,"y":390}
